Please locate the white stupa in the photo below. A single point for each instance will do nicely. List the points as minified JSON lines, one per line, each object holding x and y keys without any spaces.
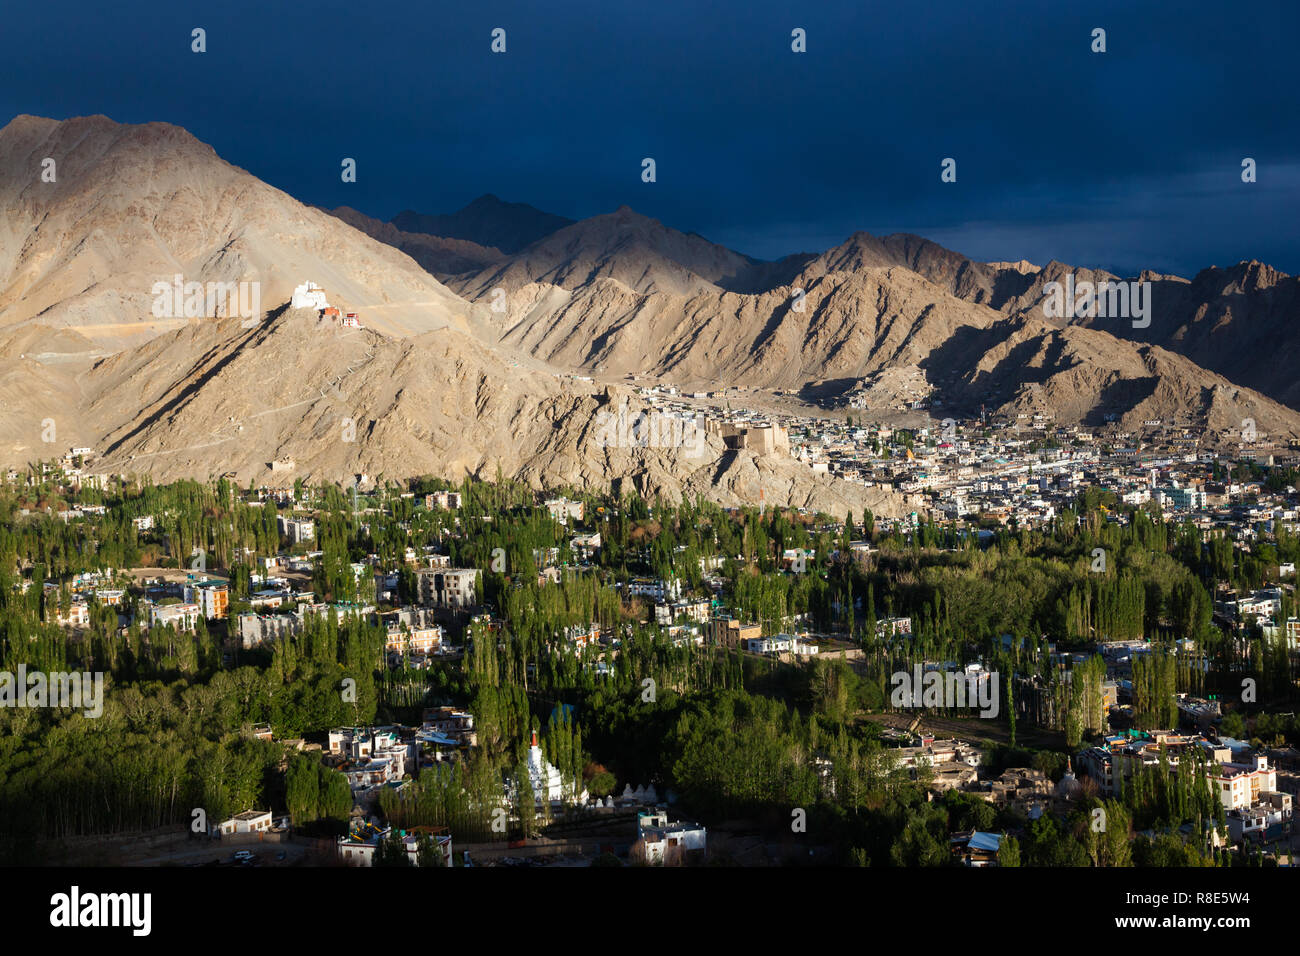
{"x":548,"y":783}
{"x":1069,"y":787}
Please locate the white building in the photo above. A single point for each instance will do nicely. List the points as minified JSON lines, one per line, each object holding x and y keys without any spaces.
{"x":563,"y":509}
{"x":584,"y":546}
{"x":250,"y":821}
{"x":1269,"y":818}
{"x":446,"y":500}
{"x":181,"y":616}
{"x":1241,"y":785}
{"x":374,"y":755}
{"x":1191,"y":499}
{"x":77,"y":614}
{"x":358,"y":848}
{"x":890,"y":626}
{"x":309,"y":296}
{"x":212,"y":597}
{"x":414,"y":639}
{"x":697,"y":611}
{"x":665,"y":841}
{"x":658,"y":591}
{"x":780,"y":644}
{"x":255,"y":629}
{"x":297,"y":530}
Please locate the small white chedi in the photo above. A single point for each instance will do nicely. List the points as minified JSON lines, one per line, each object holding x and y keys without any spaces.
{"x":547,"y":781}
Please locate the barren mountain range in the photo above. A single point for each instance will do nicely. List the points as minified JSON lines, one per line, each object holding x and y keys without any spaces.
{"x":495,"y":336}
{"x":622,"y":293}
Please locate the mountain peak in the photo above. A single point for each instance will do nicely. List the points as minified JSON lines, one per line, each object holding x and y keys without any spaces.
{"x":491,"y":202}
{"x":861,"y":237}
{"x":1248,"y":275}
{"x":488,"y":221}
{"x":1252,"y":275}
{"x":89,"y":136}
{"x":626,"y":216}
{"x":24,"y":121}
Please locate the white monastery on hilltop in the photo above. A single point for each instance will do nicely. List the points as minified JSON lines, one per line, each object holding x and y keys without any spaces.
{"x":309,"y":296}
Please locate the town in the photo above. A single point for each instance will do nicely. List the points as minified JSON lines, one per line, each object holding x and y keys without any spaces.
{"x":479,"y":674}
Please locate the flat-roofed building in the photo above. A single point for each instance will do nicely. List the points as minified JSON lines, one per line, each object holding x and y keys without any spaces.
{"x":697,"y":611}
{"x":447,"y":587}
{"x":257,"y":629}
{"x":212,"y":597}
{"x":416,"y":639}
{"x":446,"y":500}
{"x":361,"y":844}
{"x":665,"y":842}
{"x":183,"y":617}
{"x":250,"y":821}
{"x":564,"y":510}
{"x":728,"y":632}
{"x":297,"y":530}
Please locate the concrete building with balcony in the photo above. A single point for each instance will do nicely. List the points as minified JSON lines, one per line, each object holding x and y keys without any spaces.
{"x":212,"y":597}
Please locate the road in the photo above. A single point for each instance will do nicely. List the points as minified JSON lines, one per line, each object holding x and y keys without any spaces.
{"x":192,"y":854}
{"x":974,"y":729}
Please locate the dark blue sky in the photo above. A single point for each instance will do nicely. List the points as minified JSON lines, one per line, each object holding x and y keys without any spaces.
{"x":1126,"y":159}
